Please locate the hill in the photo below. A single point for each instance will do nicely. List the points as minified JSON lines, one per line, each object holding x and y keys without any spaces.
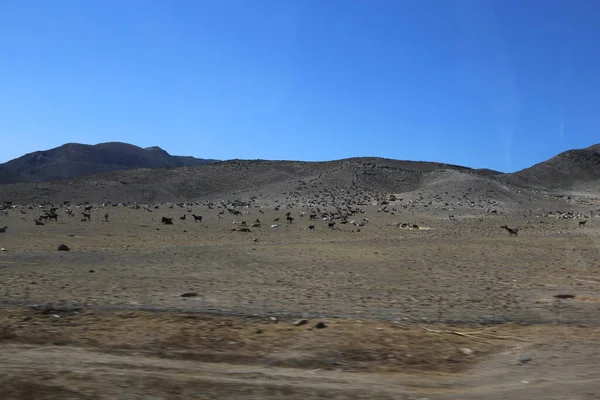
{"x":572,"y":170}
{"x":419,"y":186}
{"x":74,"y":159}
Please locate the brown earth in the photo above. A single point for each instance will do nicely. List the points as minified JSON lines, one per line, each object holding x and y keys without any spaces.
{"x":376,"y":287}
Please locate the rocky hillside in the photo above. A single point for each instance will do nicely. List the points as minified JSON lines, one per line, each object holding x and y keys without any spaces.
{"x":571,"y":170}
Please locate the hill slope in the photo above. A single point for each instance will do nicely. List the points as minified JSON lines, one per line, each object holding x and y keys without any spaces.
{"x":422,"y":186}
{"x":74,"y":159}
{"x":571,"y":170}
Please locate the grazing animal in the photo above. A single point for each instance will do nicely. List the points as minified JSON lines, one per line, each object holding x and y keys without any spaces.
{"x":197,"y":217}
{"x":106,"y":217}
{"x":86,"y":216}
{"x":312,"y":217}
{"x":53,"y":216}
{"x":287,"y":214}
{"x":331,"y":224}
{"x":88,"y":208}
{"x":290,"y":219}
{"x":182,"y":217}
{"x":582,"y":223}
{"x":311,"y":227}
{"x":38,"y":222}
{"x":511,"y":232}
{"x":244,"y":229}
{"x":2,"y":230}
{"x":276,"y":219}
{"x":167,"y":221}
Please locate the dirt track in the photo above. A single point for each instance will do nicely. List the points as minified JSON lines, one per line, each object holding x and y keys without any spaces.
{"x":455,"y":272}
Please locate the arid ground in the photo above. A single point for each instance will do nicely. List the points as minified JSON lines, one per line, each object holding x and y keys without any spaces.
{"x":454,"y":308}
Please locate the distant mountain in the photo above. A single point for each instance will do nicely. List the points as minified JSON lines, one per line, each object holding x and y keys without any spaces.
{"x":577,"y":169}
{"x":74,"y":159}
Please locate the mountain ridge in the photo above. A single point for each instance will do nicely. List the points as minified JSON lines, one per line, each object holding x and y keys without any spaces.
{"x":76,"y":159}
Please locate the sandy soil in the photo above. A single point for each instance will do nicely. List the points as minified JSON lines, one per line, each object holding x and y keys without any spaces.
{"x":375,"y":289}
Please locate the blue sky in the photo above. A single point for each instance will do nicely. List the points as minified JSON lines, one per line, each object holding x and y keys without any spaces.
{"x":498,"y":84}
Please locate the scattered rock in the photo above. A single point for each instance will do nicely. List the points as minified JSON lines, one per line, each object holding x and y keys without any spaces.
{"x":91,"y":271}
{"x":2,"y":249}
{"x":525,"y":359}
{"x":564,"y":296}
{"x":466,"y":351}
{"x":320,"y":325}
{"x":300,"y":322}
{"x":189,"y":294}
{"x":258,"y":330}
{"x":63,"y":247}
{"x":274,"y":319}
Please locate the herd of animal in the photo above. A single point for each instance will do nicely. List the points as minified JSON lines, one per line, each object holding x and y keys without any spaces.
{"x":341,"y":215}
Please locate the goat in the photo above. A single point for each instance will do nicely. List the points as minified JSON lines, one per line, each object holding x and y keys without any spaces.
{"x":106,"y":217}
{"x":582,"y":223}
{"x":244,"y":229}
{"x":167,"y":221}
{"x":276,"y":219}
{"x":38,"y":222}
{"x":86,"y":216}
{"x":2,"y":230}
{"x":88,"y":208}
{"x":182,"y":217}
{"x":197,"y":217}
{"x":53,"y":216}
{"x":331,"y":224}
{"x":312,"y":217}
{"x":311,"y":228}
{"x":511,"y":232}
{"x":290,"y":219}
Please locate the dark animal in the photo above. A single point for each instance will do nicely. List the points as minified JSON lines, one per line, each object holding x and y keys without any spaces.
{"x":2,"y":230}
{"x":106,"y":217}
{"x":511,"y":232}
{"x":582,"y":223}
{"x":167,"y":221}
{"x":86,"y":216}
{"x":331,"y":224}
{"x":38,"y":222}
{"x":182,"y":217}
{"x":88,"y":208}
{"x":53,"y":216}
{"x":312,"y":217}
{"x":311,"y":227}
{"x":244,"y":230}
{"x":290,"y":219}
{"x":197,"y":217}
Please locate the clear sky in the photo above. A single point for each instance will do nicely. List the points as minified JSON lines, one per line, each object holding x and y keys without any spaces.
{"x":498,"y":84}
